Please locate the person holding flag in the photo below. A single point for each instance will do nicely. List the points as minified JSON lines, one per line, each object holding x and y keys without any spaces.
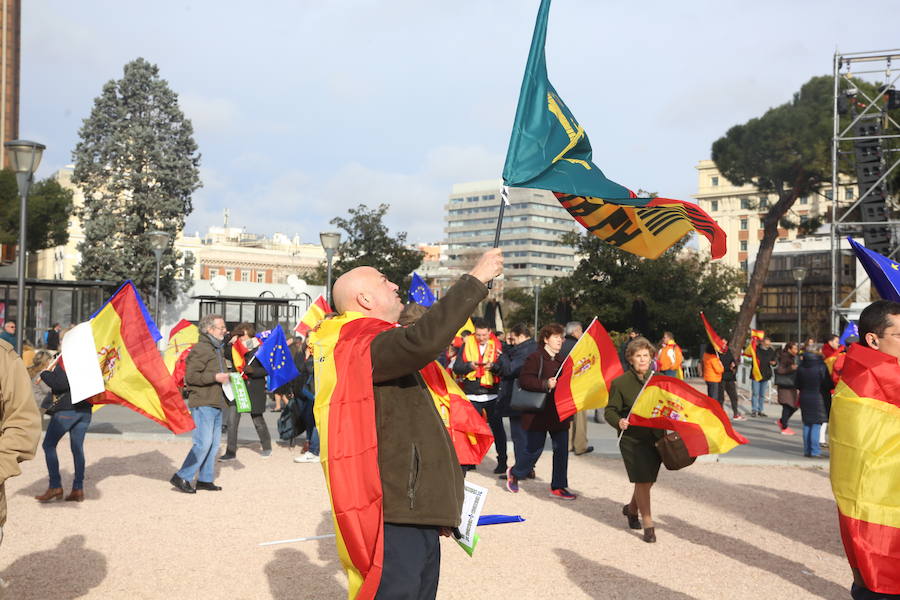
{"x":244,"y":337}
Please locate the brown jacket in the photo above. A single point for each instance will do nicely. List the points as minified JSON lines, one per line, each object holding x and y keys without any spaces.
{"x":201,"y":367}
{"x":20,"y":421}
{"x":421,"y":479}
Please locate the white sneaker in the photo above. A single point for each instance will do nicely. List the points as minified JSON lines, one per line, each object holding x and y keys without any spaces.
{"x":306,"y":457}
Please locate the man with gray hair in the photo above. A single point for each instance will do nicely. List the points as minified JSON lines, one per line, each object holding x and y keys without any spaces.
{"x":205,"y":372}
{"x":578,"y":441}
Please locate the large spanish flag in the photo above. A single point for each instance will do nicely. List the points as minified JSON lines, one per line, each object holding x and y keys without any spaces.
{"x":314,"y":314}
{"x":345,"y":417}
{"x":864,"y":427}
{"x":669,"y":403}
{"x":587,"y":372}
{"x":717,"y":342}
{"x":755,"y":336}
{"x":469,"y":431}
{"x":113,"y":359}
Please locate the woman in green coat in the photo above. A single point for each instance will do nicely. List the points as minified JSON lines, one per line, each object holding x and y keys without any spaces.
{"x":637,"y":444}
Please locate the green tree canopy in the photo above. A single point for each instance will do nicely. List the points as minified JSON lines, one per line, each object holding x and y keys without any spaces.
{"x":49,"y":207}
{"x":137,"y":164}
{"x":627,"y":291}
{"x":366,"y":241}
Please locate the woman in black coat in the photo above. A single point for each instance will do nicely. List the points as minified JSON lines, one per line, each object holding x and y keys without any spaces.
{"x":813,"y":381}
{"x":255,"y":379}
{"x":786,"y":384}
{"x":511,"y":361}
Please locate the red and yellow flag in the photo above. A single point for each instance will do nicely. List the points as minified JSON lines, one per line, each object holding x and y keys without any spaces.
{"x":669,"y":403}
{"x":864,"y":429}
{"x":345,"y":417}
{"x":467,"y":326}
{"x":469,"y":431}
{"x":587,"y":372}
{"x":182,"y":337}
{"x":238,"y":351}
{"x":755,"y":336}
{"x":313,"y":316}
{"x":717,"y":342}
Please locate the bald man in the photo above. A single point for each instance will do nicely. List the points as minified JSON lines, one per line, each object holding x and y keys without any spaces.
{"x":417,"y":473}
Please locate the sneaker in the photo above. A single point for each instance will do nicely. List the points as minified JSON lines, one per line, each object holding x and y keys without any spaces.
{"x":227,"y":456}
{"x":788,"y":431}
{"x":562,"y":494}
{"x":512,"y":484}
{"x":531,"y":475}
{"x":754,"y":414}
{"x":778,"y":422}
{"x":266,"y":453}
{"x":306,"y":457}
{"x":738,"y":418}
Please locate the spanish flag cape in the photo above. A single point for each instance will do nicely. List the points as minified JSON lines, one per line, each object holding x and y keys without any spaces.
{"x":669,"y":403}
{"x":345,"y":416}
{"x":469,"y":431}
{"x":865,"y":465}
{"x":755,"y":336}
{"x":472,"y":353}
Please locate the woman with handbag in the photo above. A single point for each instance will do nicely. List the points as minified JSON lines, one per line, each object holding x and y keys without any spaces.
{"x":786,"y":383}
{"x":538,"y":374}
{"x":637,"y":444}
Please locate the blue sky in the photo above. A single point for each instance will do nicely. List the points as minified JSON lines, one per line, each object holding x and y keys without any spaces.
{"x":303,"y":109}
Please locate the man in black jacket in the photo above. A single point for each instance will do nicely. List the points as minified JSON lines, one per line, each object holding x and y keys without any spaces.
{"x":511,"y":361}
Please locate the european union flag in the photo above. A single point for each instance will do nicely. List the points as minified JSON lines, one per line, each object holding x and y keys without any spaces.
{"x":275,"y":358}
{"x":419,"y":292}
{"x":852,"y":329}
{"x":884,"y":273}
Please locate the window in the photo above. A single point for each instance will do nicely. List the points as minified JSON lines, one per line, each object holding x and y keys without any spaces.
{"x":229,"y":274}
{"x":829,"y":194}
{"x":714,"y":180}
{"x":744,"y":223}
{"x":714,"y":205}
{"x":763,"y":203}
{"x":804,"y":200}
{"x":744,"y":266}
{"x":245,"y":275}
{"x":743,"y":245}
{"x":848,"y":193}
{"x":745,"y":203}
{"x":260,"y":277}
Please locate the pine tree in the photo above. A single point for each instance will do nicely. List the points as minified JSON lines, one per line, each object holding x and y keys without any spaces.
{"x":137,"y":164}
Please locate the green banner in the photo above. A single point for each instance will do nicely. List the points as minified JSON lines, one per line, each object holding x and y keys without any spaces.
{"x":241,"y":395}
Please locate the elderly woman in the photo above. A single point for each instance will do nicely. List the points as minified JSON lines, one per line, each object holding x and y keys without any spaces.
{"x":538,"y":374}
{"x":637,"y":444}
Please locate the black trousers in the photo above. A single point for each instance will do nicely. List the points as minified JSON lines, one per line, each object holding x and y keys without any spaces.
{"x":233,"y":419}
{"x":495,"y":422}
{"x":412,"y":563}
{"x":731,"y":389}
{"x":861,"y":593}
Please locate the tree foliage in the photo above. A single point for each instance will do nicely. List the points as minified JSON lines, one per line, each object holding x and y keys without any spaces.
{"x":49,"y":207}
{"x":623,"y":290}
{"x":137,"y":164}
{"x":366,"y":241}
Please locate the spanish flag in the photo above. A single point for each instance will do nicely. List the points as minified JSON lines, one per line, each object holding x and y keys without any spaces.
{"x":182,"y":337}
{"x":669,"y":403}
{"x":238,"y":351}
{"x":469,"y":431}
{"x":864,"y":427}
{"x":586,"y":374}
{"x":345,"y":416}
{"x":113,"y":359}
{"x":458,"y":338}
{"x":755,"y":336}
{"x":314,"y":314}
{"x":717,"y":342}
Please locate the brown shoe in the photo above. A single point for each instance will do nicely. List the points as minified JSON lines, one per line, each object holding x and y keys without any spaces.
{"x":650,"y":535}
{"x":75,"y":496}
{"x":50,"y":494}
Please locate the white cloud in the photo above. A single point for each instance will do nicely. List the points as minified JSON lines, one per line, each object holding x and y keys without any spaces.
{"x":210,"y":116}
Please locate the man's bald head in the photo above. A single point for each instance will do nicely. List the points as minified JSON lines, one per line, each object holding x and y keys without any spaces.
{"x":366,"y":290}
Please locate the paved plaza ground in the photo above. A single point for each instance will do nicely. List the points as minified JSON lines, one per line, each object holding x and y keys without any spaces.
{"x":746,"y":527}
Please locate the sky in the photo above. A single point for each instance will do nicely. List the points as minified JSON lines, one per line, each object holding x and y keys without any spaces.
{"x":305,"y":109}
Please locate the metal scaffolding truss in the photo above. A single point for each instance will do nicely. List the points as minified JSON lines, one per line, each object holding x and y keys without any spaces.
{"x":849,"y":65}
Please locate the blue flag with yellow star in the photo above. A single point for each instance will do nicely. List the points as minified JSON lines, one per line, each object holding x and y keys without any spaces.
{"x":419,"y":292}
{"x":884,"y":273}
{"x":276,"y":359}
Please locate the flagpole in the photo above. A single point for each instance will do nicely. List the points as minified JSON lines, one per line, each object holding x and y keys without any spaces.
{"x":573,"y":347}
{"x":619,"y":440}
{"x":504,"y":200}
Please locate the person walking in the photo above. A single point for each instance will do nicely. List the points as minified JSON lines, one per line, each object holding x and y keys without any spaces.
{"x":729,"y":384}
{"x":637,"y":444}
{"x":786,"y":382}
{"x":255,"y":376}
{"x":813,"y":383}
{"x":539,"y":375}
{"x":511,"y":362}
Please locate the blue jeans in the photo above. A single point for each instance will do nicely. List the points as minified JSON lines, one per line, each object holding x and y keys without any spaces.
{"x":811,"y":440}
{"x":75,"y":423}
{"x":519,"y":439}
{"x":758,"y":392}
{"x":206,"y":437}
{"x":534,"y":448}
{"x":669,"y":372}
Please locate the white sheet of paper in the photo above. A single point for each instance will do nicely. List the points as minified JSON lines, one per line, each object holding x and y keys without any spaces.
{"x":473,"y":502}
{"x":82,"y":366}
{"x":229,"y":393}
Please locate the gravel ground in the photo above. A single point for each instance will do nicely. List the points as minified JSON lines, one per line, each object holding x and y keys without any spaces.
{"x":724,"y":531}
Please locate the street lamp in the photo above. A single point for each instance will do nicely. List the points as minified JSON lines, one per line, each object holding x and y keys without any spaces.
{"x":799,"y":276}
{"x":330,"y":241}
{"x":24,"y":158}
{"x":159,"y":241}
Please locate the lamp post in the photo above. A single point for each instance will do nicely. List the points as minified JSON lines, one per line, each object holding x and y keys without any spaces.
{"x":159,"y":240}
{"x":799,"y":276}
{"x":24,"y":158}
{"x":330,"y":242}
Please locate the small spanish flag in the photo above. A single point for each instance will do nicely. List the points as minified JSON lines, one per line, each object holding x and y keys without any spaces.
{"x":864,"y":429}
{"x":587,"y":372}
{"x":238,"y":351}
{"x":755,"y":336}
{"x":717,"y":342}
{"x":458,"y":338}
{"x":313,"y":316}
{"x":669,"y":403}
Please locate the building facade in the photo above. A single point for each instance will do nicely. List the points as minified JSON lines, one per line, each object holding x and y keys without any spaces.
{"x":10,"y":57}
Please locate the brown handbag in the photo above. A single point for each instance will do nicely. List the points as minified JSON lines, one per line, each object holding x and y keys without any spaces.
{"x":673,"y":451}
